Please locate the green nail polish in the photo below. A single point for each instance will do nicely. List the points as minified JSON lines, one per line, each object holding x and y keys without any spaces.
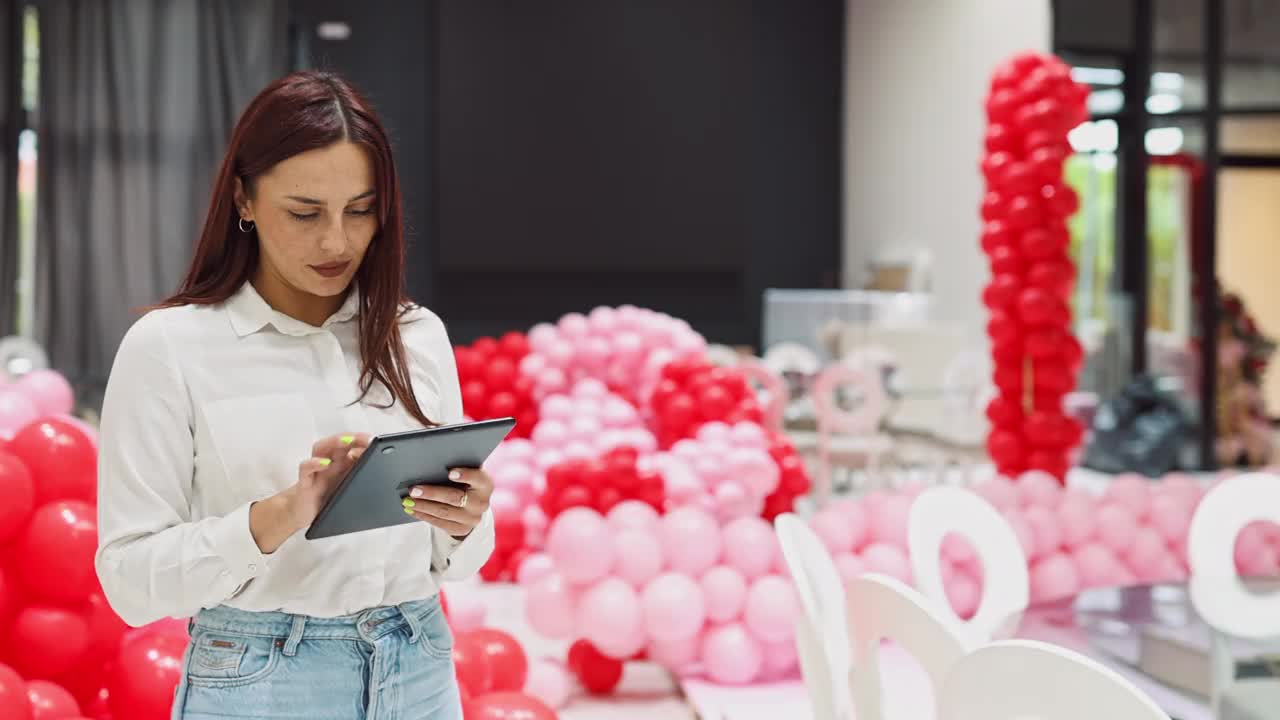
{"x":325,"y":462}
{"x":408,"y":511}
{"x":347,"y":439}
{"x":408,"y":503}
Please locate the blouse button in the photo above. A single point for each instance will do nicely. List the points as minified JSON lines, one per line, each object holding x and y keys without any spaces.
{"x":253,"y":567}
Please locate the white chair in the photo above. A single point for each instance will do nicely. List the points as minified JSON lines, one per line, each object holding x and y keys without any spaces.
{"x":822,"y":633}
{"x":1221,"y":597}
{"x":843,"y":436}
{"x":940,"y":511}
{"x":884,"y":608}
{"x":1022,"y":679}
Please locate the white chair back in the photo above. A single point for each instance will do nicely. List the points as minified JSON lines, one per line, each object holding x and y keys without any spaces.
{"x":822,"y":633}
{"x":1219,"y":593}
{"x":940,"y":511}
{"x":884,"y":608}
{"x":1021,"y":679}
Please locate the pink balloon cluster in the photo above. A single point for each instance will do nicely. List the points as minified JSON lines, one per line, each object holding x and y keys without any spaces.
{"x":624,"y":347}
{"x":38,"y":393}
{"x":696,"y":596}
{"x":725,"y":470}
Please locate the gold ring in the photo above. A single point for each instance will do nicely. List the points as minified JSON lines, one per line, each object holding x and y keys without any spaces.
{"x":463,"y":503}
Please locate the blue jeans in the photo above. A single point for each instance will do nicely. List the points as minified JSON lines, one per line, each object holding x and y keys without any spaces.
{"x":388,"y":663}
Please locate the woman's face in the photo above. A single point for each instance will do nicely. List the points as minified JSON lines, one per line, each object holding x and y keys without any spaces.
{"x":316,"y":215}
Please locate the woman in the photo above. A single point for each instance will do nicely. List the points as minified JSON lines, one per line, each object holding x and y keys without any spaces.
{"x":235,"y":407}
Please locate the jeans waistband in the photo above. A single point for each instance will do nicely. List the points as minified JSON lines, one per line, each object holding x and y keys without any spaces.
{"x":368,"y":625}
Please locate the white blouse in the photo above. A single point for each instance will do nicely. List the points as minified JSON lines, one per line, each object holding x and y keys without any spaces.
{"x":211,"y":408}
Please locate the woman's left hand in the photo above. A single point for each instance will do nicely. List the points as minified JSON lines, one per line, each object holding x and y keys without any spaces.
{"x":455,"y":510}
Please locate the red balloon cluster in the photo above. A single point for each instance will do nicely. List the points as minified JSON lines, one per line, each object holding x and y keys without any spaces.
{"x":601,"y":483}
{"x":492,"y":385}
{"x":693,"y":392}
{"x":597,"y":672}
{"x":57,"y":632}
{"x":1032,"y":105}
{"x":794,"y":481}
{"x":491,"y":668}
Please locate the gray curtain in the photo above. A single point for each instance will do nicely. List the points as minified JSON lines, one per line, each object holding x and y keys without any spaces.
{"x":11,"y":119}
{"x":137,"y":101}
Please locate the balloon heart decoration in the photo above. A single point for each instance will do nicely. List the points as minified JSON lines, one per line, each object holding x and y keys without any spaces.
{"x":1032,"y":104}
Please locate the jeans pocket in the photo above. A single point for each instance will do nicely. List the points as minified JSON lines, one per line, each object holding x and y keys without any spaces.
{"x":226,"y":659}
{"x":437,"y":638}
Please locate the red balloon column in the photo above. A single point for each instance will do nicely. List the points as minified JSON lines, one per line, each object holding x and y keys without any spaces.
{"x":1032,"y":105}
{"x":492,"y":385}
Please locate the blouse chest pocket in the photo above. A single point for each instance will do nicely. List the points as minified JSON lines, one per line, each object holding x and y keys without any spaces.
{"x":260,"y":441}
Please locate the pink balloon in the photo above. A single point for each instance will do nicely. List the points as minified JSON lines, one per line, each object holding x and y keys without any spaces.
{"x":549,"y":606}
{"x":638,"y":556}
{"x":542,"y":335}
{"x":1132,"y":491}
{"x":1171,"y":516}
{"x":609,"y":616}
{"x":749,"y":435}
{"x":548,"y":458}
{"x":673,"y":607}
{"x":590,"y":388}
{"x":1038,"y":488}
{"x":604,"y":320}
{"x":573,"y":325}
{"x":887,"y":560}
{"x":633,"y":515}
{"x":550,"y":682}
{"x":466,"y":611}
{"x":1045,"y":527}
{"x":49,"y":392}
{"x":1116,"y":526}
{"x":16,"y":411}
{"x":677,"y":655}
{"x":755,"y":469}
{"x":732,"y":501}
{"x":1079,"y":521}
{"x":833,"y":531}
{"x":964,"y":595}
{"x":579,"y":542}
{"x":532,"y":365}
{"x":781,"y":660}
{"x":1000,"y":492}
{"x":889,"y":521}
{"x":1052,"y":577}
{"x":854,"y":515}
{"x":849,"y":566}
{"x":750,"y":546}
{"x":535,"y":567}
{"x":958,"y":549}
{"x":1026,"y":536}
{"x":731,"y":655}
{"x":724,"y":593}
{"x":771,"y":609}
{"x":1146,"y":554}
{"x":550,"y":381}
{"x":715,"y":432}
{"x":1096,"y":564}
{"x":535,"y":525}
{"x":550,"y":434}
{"x":690,"y":540}
{"x":555,"y":407}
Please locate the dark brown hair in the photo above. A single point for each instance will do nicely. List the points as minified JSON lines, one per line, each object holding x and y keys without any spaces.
{"x":300,"y":112}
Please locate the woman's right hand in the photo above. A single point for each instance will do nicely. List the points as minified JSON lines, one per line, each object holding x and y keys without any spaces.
{"x":275,"y":519}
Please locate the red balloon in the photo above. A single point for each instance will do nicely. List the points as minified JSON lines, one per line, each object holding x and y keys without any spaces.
{"x":1036,"y":307}
{"x":1053,"y":462}
{"x":1005,"y":447}
{"x":715,"y":402}
{"x":1003,"y":327}
{"x":573,"y":496}
{"x":1004,"y":412}
{"x":1001,"y":138}
{"x":503,"y":404}
{"x":1008,"y":378}
{"x":1000,"y":106}
{"x":1060,"y":200}
{"x":507,"y":662}
{"x":679,"y":412}
{"x":1004,"y":352}
{"x":471,"y":665}
{"x":598,"y":673}
{"x":486,"y":348}
{"x":1044,"y":429}
{"x":1072,"y":353}
{"x":996,"y":234}
{"x":1006,"y":259}
{"x":55,"y":553}
{"x":1045,"y":342}
{"x":1005,"y":77}
{"x":11,"y":597}
{"x":52,"y":640}
{"x":1037,"y":139}
{"x":475,"y":398}
{"x":1023,"y":213}
{"x":508,"y":706}
{"x":61,"y":458}
{"x":508,"y":532}
{"x":995,"y":165}
{"x":513,"y":345}
{"x":994,"y":206}
{"x":606,"y":498}
{"x":1002,"y":291}
{"x":145,"y":675}
{"x":14,"y":702}
{"x":1018,"y":177}
{"x":500,"y":374}
{"x":106,"y":629}
{"x":469,"y":363}
{"x":50,"y":701}
{"x":1027,"y":61}
{"x":1052,"y":377}
{"x":526,"y":420}
{"x":1054,"y":276}
{"x":1045,"y":163}
{"x":17,"y":496}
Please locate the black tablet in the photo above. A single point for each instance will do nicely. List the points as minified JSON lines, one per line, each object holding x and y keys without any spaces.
{"x":370,"y":496}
